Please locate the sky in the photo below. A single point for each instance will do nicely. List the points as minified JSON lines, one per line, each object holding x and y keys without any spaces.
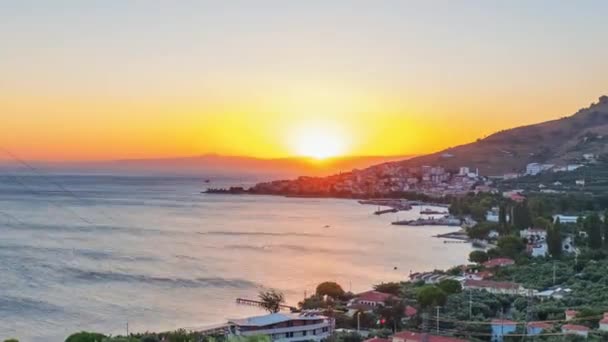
{"x":89,"y":80}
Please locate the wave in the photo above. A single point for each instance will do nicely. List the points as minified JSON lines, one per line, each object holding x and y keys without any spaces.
{"x":22,"y":250}
{"x":108,"y":276}
{"x":293,"y":248}
{"x":21,"y":306}
{"x":240,"y":233}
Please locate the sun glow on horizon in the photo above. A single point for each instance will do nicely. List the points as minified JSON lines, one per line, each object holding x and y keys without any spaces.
{"x":318,"y":142}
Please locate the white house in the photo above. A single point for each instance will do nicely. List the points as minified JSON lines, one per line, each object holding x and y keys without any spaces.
{"x":282,"y":327}
{"x":533,"y":169}
{"x":565,"y":218}
{"x":540,"y":249}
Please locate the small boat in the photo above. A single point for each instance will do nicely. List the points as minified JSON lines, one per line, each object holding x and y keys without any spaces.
{"x":207,"y":181}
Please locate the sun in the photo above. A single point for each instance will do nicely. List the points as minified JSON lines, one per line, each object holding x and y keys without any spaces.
{"x":318,"y":143}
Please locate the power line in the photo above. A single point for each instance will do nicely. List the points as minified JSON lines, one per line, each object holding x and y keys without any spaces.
{"x":51,"y":181}
{"x":37,"y":193}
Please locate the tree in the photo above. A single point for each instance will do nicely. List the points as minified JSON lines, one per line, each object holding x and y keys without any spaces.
{"x":392,"y":311}
{"x":390,"y":288}
{"x":593,"y":227}
{"x":11,"y":340}
{"x":430,"y":295}
{"x":542,"y":223}
{"x":521,"y":216}
{"x":150,"y":338}
{"x":271,"y":300}
{"x":85,"y":336}
{"x":554,"y":239}
{"x":478,"y":257}
{"x":605,"y":228}
{"x":450,"y":286}
{"x":510,"y":246}
{"x":502,"y":216}
{"x":330,"y":289}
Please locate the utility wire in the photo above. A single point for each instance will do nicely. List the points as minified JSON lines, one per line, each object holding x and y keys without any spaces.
{"x":51,"y":181}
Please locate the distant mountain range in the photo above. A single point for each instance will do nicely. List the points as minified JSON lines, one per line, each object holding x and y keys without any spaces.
{"x":560,"y":142}
{"x":213,"y":165}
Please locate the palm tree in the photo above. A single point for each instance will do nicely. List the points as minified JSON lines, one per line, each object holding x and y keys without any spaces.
{"x":271,"y":300}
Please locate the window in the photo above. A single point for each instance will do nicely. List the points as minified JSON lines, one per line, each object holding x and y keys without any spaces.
{"x":289,"y":334}
{"x":304,"y":333}
{"x":326,"y":329}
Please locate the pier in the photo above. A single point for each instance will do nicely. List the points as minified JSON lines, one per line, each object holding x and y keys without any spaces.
{"x":253,"y":302}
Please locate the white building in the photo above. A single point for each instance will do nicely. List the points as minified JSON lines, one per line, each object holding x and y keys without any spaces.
{"x":540,"y":249}
{"x":565,"y":218}
{"x":463,"y":171}
{"x":533,"y":169}
{"x":282,"y":327}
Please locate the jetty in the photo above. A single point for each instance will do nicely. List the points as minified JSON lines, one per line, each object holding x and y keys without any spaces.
{"x":443,"y":221}
{"x":253,"y":302}
{"x":385,"y":211}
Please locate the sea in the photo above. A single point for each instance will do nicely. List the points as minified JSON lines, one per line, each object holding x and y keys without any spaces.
{"x":108,"y":253}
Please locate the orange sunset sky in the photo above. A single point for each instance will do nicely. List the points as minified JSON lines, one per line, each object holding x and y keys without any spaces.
{"x":138,"y":79}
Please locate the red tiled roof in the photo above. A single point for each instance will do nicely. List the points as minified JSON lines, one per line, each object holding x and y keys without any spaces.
{"x":571,"y":312}
{"x":574,"y":327}
{"x":491,"y":284}
{"x":604,"y":320}
{"x":498,"y":262}
{"x":503,"y":322}
{"x":541,"y":325}
{"x":373,"y":296}
{"x":410,"y":311}
{"x":414,"y":336}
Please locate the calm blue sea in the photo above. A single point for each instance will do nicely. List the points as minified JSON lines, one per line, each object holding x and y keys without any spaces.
{"x":91,"y":252}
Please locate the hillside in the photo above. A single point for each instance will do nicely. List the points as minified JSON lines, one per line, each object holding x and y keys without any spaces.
{"x":558,"y":142}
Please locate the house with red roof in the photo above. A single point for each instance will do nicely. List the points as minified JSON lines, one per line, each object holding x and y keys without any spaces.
{"x":574,"y":329}
{"x":498,"y":262}
{"x":604,"y":322}
{"x":498,"y":287}
{"x":570,"y":314}
{"x":410,"y":311}
{"x":410,"y":336}
{"x":481,"y":275}
{"x":367,"y":301}
{"x":517,"y":198}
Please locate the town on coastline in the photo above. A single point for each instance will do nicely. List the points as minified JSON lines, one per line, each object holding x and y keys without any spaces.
{"x":538,"y":272}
